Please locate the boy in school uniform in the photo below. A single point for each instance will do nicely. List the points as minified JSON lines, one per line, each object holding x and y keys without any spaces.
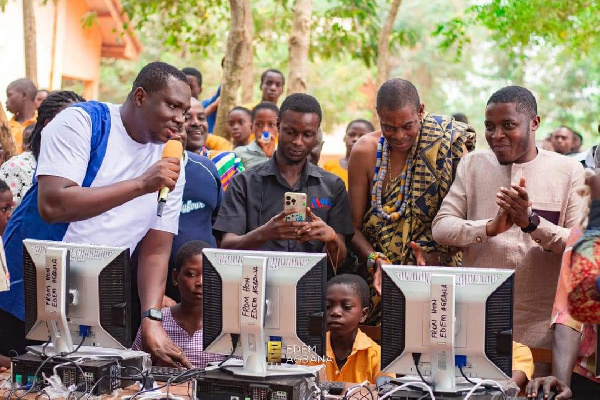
{"x":353,"y":356}
{"x":264,"y":119}
{"x":184,"y":322}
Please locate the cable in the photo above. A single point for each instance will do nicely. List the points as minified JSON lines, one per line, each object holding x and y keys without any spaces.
{"x":353,"y":388}
{"x":235,"y":338}
{"x":465,"y":376}
{"x":133,"y":378}
{"x":57,"y":356}
{"x":46,"y":345}
{"x":181,"y":378}
{"x":91,"y":391}
{"x":184,"y":377}
{"x":416,"y":358}
{"x":407,"y":385}
{"x":480,"y":384}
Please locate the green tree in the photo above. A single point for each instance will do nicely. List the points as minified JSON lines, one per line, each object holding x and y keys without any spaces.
{"x":517,"y":24}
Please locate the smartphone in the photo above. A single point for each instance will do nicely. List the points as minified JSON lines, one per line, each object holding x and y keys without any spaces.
{"x":295,"y":202}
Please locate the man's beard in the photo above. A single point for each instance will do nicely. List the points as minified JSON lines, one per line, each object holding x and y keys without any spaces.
{"x":525,"y":143}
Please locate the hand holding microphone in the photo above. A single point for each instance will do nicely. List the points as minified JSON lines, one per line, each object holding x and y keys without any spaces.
{"x":162,"y":176}
{"x":172,"y":150}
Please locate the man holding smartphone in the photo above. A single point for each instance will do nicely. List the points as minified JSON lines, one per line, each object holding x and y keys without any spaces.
{"x":252,"y":214}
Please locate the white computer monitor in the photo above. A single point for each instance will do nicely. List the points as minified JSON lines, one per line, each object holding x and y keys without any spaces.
{"x":77,"y":294}
{"x":439,"y":313}
{"x":264,"y":297}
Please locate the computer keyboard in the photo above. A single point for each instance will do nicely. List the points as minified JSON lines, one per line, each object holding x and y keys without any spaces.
{"x":163,"y":374}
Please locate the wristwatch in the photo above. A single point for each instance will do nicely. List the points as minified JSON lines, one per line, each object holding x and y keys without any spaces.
{"x":534,"y":221}
{"x":153,"y":314}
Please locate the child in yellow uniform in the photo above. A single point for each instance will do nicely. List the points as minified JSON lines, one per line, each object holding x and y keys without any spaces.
{"x":522,"y":365}
{"x":355,"y":130}
{"x":352,"y":355}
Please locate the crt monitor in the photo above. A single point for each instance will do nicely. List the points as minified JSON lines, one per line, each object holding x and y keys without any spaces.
{"x":77,"y":294}
{"x":273,"y":300}
{"x":441,"y":317}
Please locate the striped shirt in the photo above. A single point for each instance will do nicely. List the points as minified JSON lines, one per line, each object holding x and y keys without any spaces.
{"x":191,"y":346}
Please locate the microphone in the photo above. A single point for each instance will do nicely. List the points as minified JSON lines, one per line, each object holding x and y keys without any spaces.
{"x":174,"y":149}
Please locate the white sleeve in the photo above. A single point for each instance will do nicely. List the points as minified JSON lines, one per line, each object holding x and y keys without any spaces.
{"x":169,"y":222}
{"x":66,"y":146}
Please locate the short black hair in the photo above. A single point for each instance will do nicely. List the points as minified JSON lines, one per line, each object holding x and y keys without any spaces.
{"x":264,"y":105}
{"x":396,"y":94}
{"x":302,"y":103}
{"x":189,"y":250}
{"x":564,"y":127}
{"x":264,"y":75}
{"x":154,"y":76}
{"x":361,"y":121}
{"x":523,"y":99}
{"x":193,"y":72}
{"x":578,"y":135}
{"x":356,"y":283}
{"x":49,"y":108}
{"x":242,"y":109}
{"x":25,"y":85}
{"x":460,"y":117}
{"x":3,"y":186}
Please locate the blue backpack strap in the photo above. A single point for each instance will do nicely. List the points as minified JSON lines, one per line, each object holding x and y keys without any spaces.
{"x":26,"y":221}
{"x":100,"y":116}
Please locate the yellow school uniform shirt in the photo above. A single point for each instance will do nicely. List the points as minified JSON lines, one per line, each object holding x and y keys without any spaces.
{"x":363,"y":363}
{"x":17,"y":128}
{"x":336,"y":168}
{"x":218,"y":143}
{"x":522,"y":359}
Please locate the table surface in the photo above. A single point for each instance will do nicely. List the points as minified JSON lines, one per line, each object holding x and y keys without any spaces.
{"x":183,"y":390}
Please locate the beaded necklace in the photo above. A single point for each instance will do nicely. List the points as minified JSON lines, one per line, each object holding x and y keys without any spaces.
{"x":381,"y":166}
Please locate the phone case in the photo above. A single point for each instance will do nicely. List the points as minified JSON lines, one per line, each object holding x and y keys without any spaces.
{"x":296,"y":202}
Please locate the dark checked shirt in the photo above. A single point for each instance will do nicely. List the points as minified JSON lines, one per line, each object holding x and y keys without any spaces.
{"x":191,"y":346}
{"x":256,"y":195}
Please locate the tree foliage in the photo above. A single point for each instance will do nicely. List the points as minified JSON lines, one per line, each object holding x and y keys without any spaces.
{"x":517,"y":24}
{"x":351,"y":27}
{"x":190,"y":24}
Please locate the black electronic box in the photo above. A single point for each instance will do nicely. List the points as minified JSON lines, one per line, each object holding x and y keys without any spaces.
{"x":216,"y":385}
{"x":25,"y":366}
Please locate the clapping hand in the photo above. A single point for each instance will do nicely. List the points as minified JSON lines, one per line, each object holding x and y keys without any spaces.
{"x":515,"y":201}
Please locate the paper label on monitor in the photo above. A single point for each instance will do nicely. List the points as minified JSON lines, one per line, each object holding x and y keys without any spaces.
{"x":253,"y":270}
{"x":52,"y":282}
{"x":441,"y":309}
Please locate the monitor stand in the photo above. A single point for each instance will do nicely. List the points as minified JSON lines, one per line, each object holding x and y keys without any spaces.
{"x":442,"y":325}
{"x":252,"y":325}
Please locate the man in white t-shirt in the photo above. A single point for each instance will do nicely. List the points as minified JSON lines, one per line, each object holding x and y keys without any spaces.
{"x":97,"y":176}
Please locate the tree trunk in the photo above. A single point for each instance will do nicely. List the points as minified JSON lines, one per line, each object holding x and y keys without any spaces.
{"x":299,"y":46}
{"x":30,"y":40}
{"x":6,"y":139}
{"x":248,"y":71}
{"x":383,"y":49}
{"x":237,"y":42}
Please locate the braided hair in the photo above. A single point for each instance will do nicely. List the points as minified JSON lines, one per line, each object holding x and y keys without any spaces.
{"x":50,"y":107}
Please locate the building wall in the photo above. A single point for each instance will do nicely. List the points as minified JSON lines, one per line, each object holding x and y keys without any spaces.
{"x":77,"y":50}
{"x":82,"y":48}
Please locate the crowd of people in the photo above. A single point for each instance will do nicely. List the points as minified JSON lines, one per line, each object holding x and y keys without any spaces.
{"x":413,"y":192}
